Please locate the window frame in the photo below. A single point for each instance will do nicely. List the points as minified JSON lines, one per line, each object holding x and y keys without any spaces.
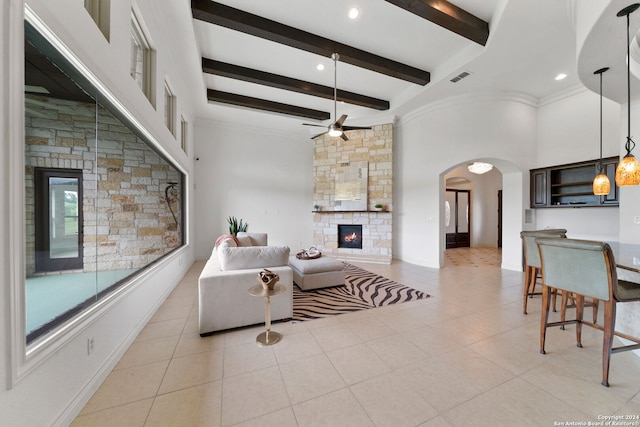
{"x":170,"y":103}
{"x":141,"y":38}
{"x":26,"y":358}
{"x":100,"y":12}
{"x":184,"y":135}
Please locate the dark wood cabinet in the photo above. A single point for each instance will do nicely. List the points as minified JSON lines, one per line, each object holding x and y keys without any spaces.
{"x":571,"y":185}
{"x":539,"y":190}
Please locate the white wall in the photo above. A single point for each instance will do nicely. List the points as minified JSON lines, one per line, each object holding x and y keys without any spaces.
{"x":51,"y":391}
{"x":500,"y":129}
{"x":263,"y":177}
{"x":569,"y":131}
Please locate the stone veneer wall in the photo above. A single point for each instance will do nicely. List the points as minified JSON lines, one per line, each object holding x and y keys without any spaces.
{"x":127,"y":224}
{"x":376,"y":147}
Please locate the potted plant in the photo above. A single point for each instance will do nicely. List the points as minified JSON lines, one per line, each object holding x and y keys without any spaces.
{"x":316,"y":208}
{"x":378,"y":207}
{"x":235,"y":226}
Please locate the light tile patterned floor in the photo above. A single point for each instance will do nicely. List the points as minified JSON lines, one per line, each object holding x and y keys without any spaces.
{"x":466,"y":356}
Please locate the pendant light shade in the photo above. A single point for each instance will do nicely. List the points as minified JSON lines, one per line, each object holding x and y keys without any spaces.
{"x":628,"y":170}
{"x":601,"y":184}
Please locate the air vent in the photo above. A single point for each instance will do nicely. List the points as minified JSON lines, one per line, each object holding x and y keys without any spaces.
{"x":459,"y":77}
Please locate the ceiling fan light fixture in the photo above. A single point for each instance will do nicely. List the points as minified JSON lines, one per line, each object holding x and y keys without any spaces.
{"x":479,"y":167}
{"x":335,"y":131}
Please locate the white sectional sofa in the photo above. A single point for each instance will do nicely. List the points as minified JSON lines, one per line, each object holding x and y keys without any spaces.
{"x":224,"y":301}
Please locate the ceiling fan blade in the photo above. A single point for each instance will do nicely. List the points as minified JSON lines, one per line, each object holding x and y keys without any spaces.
{"x":341,"y":120}
{"x":312,"y":124}
{"x":315,"y":136}
{"x":345,"y":128}
{"x":344,"y":136}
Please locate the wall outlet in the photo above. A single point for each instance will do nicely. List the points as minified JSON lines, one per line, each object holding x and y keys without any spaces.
{"x":636,"y":219}
{"x":90,"y":346}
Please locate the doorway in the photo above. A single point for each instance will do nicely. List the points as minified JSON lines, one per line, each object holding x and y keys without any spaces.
{"x":499,"y":218}
{"x":457,"y":218}
{"x":58,"y":225}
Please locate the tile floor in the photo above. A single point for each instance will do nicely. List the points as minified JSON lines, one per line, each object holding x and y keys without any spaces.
{"x":466,"y":356}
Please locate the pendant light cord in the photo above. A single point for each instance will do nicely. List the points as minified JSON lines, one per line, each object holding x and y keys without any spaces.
{"x":629,"y":145}
{"x":335,"y":57}
{"x":600,"y":163}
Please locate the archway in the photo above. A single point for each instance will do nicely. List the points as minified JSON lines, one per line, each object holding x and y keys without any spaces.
{"x":485,"y":225}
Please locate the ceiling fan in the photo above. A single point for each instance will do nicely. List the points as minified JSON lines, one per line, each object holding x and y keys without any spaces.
{"x":336,"y":128}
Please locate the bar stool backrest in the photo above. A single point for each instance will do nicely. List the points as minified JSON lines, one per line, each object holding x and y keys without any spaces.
{"x":584,"y":267}
{"x":531,"y":254}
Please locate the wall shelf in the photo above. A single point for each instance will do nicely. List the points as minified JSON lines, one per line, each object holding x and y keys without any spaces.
{"x":570,"y":185}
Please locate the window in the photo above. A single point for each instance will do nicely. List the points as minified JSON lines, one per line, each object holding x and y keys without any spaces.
{"x":102,"y":203}
{"x":141,"y":58}
{"x":184,"y":127}
{"x":169,"y":109}
{"x":100,"y":11}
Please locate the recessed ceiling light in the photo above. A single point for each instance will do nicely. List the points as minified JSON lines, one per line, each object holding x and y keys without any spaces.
{"x":561,"y":76}
{"x":354,"y":12}
{"x":320,"y":67}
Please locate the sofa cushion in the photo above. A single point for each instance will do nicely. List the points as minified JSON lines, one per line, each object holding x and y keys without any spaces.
{"x":252,"y":257}
{"x":244,"y":241}
{"x":257,"y":239}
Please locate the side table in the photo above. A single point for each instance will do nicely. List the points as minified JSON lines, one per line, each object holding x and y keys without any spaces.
{"x":268,"y":337}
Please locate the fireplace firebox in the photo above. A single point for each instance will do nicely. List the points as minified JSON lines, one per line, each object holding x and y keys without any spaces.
{"x":350,"y":236}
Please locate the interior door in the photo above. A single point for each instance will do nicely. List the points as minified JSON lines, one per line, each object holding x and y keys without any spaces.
{"x":499,"y":218}
{"x":58,"y":205}
{"x":458,"y":220}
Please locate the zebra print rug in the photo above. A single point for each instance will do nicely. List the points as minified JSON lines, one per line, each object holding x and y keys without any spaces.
{"x":362,"y":290}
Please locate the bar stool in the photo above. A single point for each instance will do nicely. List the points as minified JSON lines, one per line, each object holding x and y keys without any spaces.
{"x":585,"y":268}
{"x":532,"y":261}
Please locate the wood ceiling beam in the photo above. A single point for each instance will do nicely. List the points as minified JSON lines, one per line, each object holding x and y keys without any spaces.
{"x":263,"y":104}
{"x":449,"y":16}
{"x":235,"y":19}
{"x":224,"y":69}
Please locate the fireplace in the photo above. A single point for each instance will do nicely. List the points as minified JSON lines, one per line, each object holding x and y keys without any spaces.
{"x":350,"y":236}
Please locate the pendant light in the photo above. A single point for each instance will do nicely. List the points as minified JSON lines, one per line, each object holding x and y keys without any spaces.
{"x":628,"y":170}
{"x":601,"y":184}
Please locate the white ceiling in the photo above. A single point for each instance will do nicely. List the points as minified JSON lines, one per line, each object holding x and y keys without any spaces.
{"x":530,"y":42}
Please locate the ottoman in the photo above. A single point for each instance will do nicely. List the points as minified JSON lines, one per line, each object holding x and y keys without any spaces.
{"x":316,"y":273}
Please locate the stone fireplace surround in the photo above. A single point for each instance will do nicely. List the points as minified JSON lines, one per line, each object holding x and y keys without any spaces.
{"x":376,"y":147}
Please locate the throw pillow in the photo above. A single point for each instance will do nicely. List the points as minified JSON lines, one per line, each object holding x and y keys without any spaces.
{"x":232,"y":240}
